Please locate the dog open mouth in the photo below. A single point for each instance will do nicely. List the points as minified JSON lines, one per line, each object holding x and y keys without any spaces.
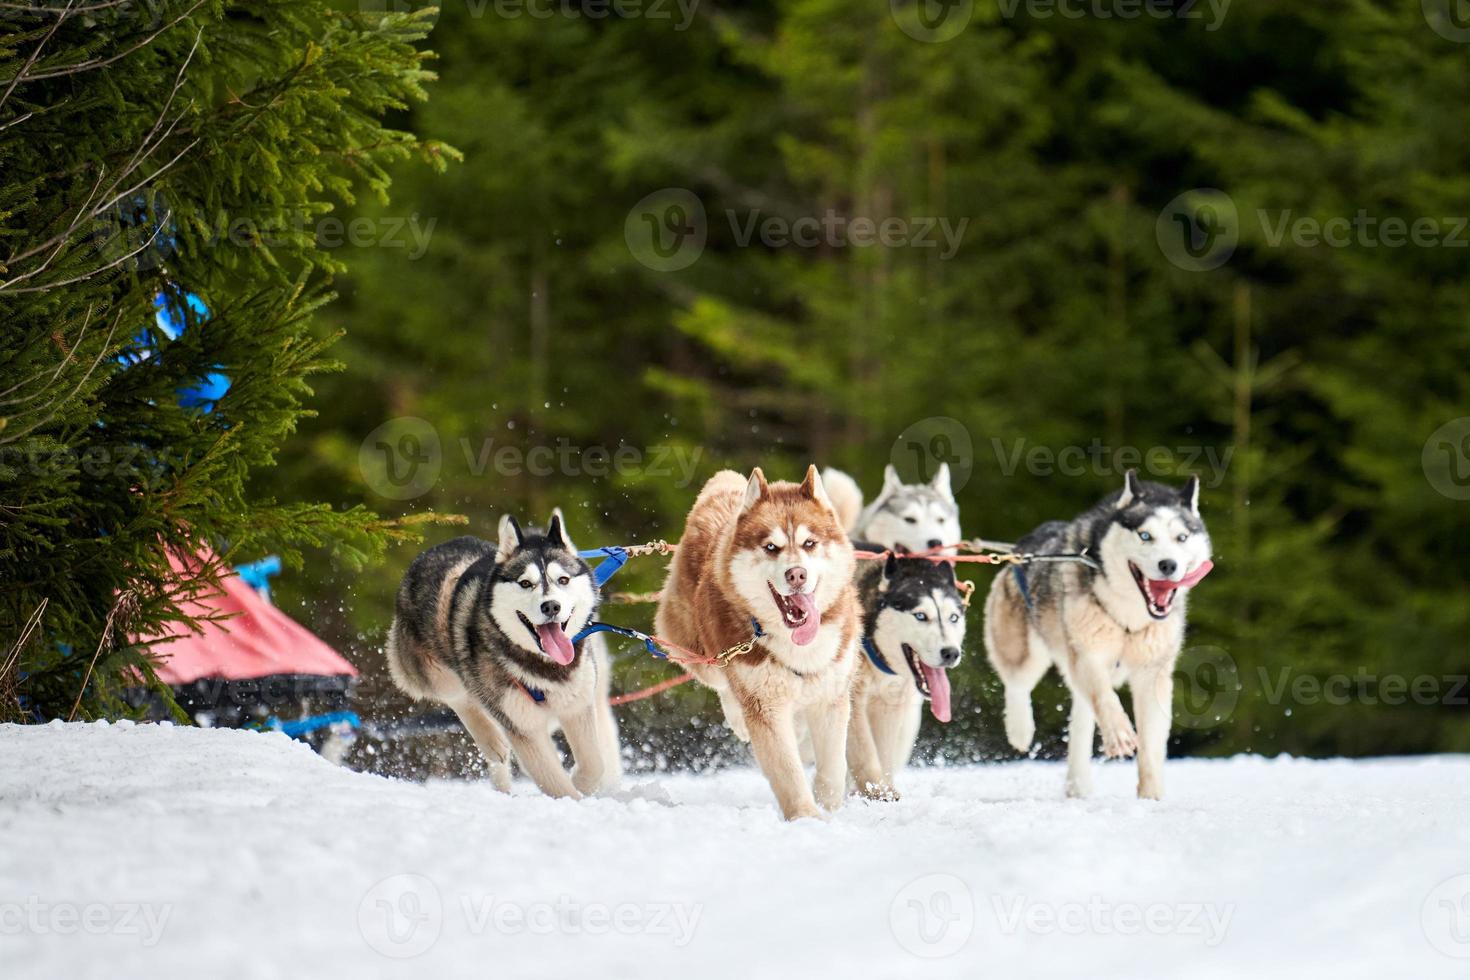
{"x":799,"y":614}
{"x":552,"y":639}
{"x":932,"y":682}
{"x":1159,"y":593}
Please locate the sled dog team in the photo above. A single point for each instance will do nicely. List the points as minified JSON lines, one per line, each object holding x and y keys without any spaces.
{"x":843,"y":654}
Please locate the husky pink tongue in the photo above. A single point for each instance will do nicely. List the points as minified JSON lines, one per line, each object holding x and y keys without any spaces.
{"x":807,"y":631}
{"x":1160,"y":589}
{"x":938,"y":680}
{"x":556,"y":643}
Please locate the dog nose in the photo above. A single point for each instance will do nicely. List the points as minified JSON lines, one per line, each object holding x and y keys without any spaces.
{"x":949,"y":656}
{"x":551,"y":609}
{"x":796,"y":577}
{"x":935,"y":542}
{"x":1168,"y":567}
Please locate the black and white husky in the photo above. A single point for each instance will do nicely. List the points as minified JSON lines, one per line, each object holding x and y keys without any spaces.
{"x":1120,"y":622}
{"x":914,"y":631}
{"x":488,"y":630}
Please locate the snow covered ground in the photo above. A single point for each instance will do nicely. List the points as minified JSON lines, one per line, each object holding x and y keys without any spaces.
{"x":147,"y":851}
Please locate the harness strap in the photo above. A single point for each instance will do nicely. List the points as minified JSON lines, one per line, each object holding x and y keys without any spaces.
{"x":631,"y":634}
{"x":1019,"y":573}
{"x":534,"y":693}
{"x":613,"y":559}
{"x":877,"y":658}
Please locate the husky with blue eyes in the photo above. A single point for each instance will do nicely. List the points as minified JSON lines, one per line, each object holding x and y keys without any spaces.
{"x":1117,"y":620}
{"x":913,"y":632}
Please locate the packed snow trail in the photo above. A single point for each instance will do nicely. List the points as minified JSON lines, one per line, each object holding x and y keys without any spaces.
{"x":154,"y":851}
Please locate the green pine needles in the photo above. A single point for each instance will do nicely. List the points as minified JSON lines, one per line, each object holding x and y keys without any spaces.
{"x":168,"y":156}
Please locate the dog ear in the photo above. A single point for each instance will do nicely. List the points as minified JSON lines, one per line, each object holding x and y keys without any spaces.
{"x":891,"y":482}
{"x":812,"y":487}
{"x":510,"y":537}
{"x":940,"y":483}
{"x":890,"y":568}
{"x":754,"y":490}
{"x":1130,"y":489}
{"x":1190,"y":495}
{"x":556,"y":530}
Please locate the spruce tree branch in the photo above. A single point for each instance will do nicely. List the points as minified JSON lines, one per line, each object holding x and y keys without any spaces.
{"x":82,"y":67}
{"x":123,"y":598}
{"x":34,"y":55}
{"x":6,"y":437}
{"x":81,"y":335}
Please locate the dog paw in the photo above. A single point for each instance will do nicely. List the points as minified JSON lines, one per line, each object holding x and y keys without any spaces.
{"x":1020,"y":730}
{"x":879,"y":792}
{"x":1150,"y":791}
{"x":1079,"y":789}
{"x":1119,"y":740}
{"x":805,"y":812}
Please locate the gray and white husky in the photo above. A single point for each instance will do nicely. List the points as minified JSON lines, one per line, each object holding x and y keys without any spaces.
{"x":487,"y":629}
{"x":904,"y":516}
{"x":1121,"y":622}
{"x":914,"y":631}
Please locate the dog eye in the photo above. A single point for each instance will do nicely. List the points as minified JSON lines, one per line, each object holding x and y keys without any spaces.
{"x":1145,"y":536}
{"x":954,"y":617}
{"x":1183,"y":538}
{"x":525,"y":583}
{"x":911,"y":520}
{"x":564,"y":580}
{"x":922,"y":617}
{"x":809,"y":544}
{"x":771,"y":548}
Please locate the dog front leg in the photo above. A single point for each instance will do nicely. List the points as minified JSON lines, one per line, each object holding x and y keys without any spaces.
{"x":829,"y":723}
{"x":490,"y":739}
{"x":589,"y":747}
{"x":1153,"y":708}
{"x":538,"y":757}
{"x":1091,"y":679}
{"x":773,"y":740}
{"x":863,"y":758}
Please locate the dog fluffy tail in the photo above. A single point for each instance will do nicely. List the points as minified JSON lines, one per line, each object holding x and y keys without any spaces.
{"x":846,"y":496}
